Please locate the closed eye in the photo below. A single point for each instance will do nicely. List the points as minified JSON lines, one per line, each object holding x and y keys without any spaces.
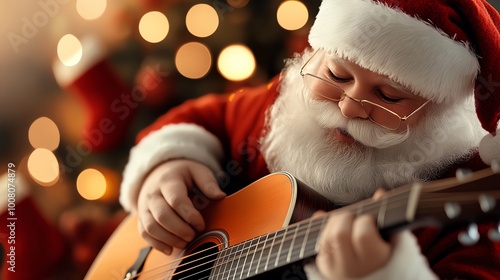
{"x":386,"y":98}
{"x":337,"y":79}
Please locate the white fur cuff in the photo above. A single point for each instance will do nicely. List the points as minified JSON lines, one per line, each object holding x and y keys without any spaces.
{"x":172,"y":141}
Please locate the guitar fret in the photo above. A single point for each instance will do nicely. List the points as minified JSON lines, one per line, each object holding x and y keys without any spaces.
{"x":237,"y":255}
{"x":246,"y":265}
{"x":216,"y":267}
{"x":381,"y":213}
{"x":262,"y":254}
{"x":283,"y":250}
{"x":301,"y":235}
{"x":306,"y":237}
{"x":226,"y":260}
{"x":253,"y":265}
{"x":270,"y":251}
{"x":323,"y":220}
{"x":274,"y":250}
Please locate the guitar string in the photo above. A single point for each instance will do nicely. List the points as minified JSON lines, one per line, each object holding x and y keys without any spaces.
{"x":328,"y":214}
{"x":231,"y":260}
{"x":231,"y":256}
{"x":372,"y":205}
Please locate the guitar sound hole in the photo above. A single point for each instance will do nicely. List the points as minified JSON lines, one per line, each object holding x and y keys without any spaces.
{"x":198,"y":264}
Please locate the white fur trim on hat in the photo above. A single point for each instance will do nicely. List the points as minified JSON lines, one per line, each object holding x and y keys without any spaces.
{"x":172,"y":141}
{"x":390,"y":42}
{"x":406,"y":262}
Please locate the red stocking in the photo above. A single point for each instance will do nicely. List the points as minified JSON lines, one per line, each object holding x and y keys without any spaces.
{"x":110,"y":104}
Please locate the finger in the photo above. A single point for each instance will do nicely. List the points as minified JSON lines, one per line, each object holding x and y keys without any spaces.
{"x":157,"y":236}
{"x":337,"y":239}
{"x":369,"y":247}
{"x":378,"y":194}
{"x":168,"y":219}
{"x":318,"y":214}
{"x":206,"y":182}
{"x":175,"y":195}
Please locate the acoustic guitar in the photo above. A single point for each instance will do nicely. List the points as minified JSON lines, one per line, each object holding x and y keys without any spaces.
{"x":265,"y":230}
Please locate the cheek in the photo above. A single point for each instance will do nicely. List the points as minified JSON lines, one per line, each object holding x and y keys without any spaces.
{"x":316,"y":96}
{"x":414,"y":119}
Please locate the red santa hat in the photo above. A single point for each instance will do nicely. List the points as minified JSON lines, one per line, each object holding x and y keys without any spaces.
{"x":440,"y":49}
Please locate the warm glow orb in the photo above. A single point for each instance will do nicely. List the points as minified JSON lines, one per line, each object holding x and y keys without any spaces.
{"x":193,"y":60}
{"x":91,"y":9}
{"x":43,"y":133}
{"x":202,"y":20}
{"x":154,"y":27}
{"x":91,"y":184}
{"x":237,"y":3}
{"x":292,"y":15}
{"x":236,"y":62}
{"x":69,"y":50}
{"x":43,"y":167}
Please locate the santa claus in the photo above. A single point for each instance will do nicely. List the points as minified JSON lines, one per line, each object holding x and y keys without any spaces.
{"x":391,"y":92}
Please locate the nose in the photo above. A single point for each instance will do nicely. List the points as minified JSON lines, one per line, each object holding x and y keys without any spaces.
{"x":352,"y":108}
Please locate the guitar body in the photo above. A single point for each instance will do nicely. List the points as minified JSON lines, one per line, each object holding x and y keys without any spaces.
{"x":266,"y":205}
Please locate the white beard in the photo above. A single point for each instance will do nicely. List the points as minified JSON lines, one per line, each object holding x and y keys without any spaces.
{"x":299,"y":141}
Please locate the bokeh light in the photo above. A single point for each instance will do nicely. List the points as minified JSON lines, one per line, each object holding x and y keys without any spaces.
{"x":237,"y":3}
{"x":154,"y":27}
{"x":43,"y":167}
{"x":91,"y":184}
{"x":91,"y":9}
{"x":193,"y":60}
{"x":236,"y":62}
{"x":202,"y":20}
{"x":69,"y":50}
{"x":292,"y":15}
{"x":44,"y":133}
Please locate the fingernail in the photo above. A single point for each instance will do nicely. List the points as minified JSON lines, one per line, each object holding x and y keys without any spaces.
{"x":167,"y":251}
{"x":215,"y":190}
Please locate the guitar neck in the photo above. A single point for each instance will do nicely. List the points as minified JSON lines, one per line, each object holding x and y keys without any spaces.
{"x":299,"y":241}
{"x":415,"y":205}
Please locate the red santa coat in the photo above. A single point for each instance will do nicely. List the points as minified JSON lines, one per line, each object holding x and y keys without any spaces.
{"x":223,"y":130}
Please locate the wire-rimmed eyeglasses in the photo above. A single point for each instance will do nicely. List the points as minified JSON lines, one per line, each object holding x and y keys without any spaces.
{"x":377,"y":113}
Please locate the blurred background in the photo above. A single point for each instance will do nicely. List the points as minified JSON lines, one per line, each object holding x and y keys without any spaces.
{"x":79,"y":79}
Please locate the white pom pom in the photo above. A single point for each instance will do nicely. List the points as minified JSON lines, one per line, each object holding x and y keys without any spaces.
{"x":489,"y":148}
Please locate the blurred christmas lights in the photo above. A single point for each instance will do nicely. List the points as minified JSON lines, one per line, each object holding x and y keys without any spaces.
{"x":193,"y":60}
{"x":44,"y":133}
{"x":202,"y":20}
{"x":91,"y":184}
{"x":292,"y":15}
{"x":236,"y":62}
{"x":69,"y":50}
{"x":154,"y":27}
{"x":43,"y":167}
{"x":91,"y":9}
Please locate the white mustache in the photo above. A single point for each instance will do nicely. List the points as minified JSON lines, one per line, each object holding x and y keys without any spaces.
{"x":329,"y":116}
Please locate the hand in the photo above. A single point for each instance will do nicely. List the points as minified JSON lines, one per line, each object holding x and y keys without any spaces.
{"x":167,"y":216}
{"x":351,"y":247}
